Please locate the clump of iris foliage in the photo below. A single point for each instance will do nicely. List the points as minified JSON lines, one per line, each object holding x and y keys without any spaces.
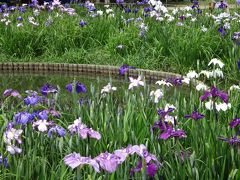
{"x":180,"y":128}
{"x":144,"y":35}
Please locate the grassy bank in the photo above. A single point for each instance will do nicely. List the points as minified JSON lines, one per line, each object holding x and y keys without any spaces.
{"x":113,"y":38}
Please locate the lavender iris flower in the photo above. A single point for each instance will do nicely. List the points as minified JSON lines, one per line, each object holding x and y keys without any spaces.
{"x":195,"y":4}
{"x":151,"y":169}
{"x":31,"y":100}
{"x":214,"y":93}
{"x":238,"y":2}
{"x":23,"y":118}
{"x":195,"y":115}
{"x":12,"y":134}
{"x":127,"y":10}
{"x":4,"y":161}
{"x":80,"y":88}
{"x":137,"y":168}
{"x":222,"y":31}
{"x":82,"y":23}
{"x":108,"y":162}
{"x":162,"y":112}
{"x":11,"y":92}
{"x":238,"y":64}
{"x":22,"y":9}
{"x":232,"y":141}
{"x":147,"y":9}
{"x":11,"y":8}
{"x":74,"y":160}
{"x":82,"y":130}
{"x":19,"y":18}
{"x":83,"y":101}
{"x":119,"y":1}
{"x":170,"y":132}
{"x":42,"y":115}
{"x":4,"y":6}
{"x":52,"y":112}
{"x":48,"y":89}
{"x":12,"y":149}
{"x":236,"y":37}
{"x":135,"y":10}
{"x":175,"y":81}
{"x":235,"y":122}
{"x":182,"y":18}
{"x":10,"y":125}
{"x":124,"y":68}
{"x":60,"y":131}
{"x":221,"y":5}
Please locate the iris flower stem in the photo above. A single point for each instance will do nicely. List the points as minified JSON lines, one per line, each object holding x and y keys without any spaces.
{"x":212,"y":135}
{"x":78,"y":173}
{"x":215,"y":111}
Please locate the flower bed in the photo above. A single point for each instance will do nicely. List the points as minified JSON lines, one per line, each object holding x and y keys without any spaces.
{"x":145,"y":132}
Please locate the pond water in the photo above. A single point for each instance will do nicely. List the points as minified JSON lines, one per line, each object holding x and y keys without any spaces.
{"x":94,"y":84}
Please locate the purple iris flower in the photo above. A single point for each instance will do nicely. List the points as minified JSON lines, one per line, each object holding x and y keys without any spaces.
{"x":107,"y":161}
{"x":162,"y":126}
{"x":43,"y":115}
{"x":232,"y":141}
{"x":238,"y":64}
{"x":162,"y":112}
{"x":80,"y":88}
{"x":223,"y":5}
{"x":182,"y":18}
{"x":4,"y":161}
{"x":151,"y":169}
{"x":124,"y":68}
{"x":11,"y":8}
{"x":10,"y":125}
{"x":82,"y":130}
{"x":170,"y":132}
{"x":238,"y":2}
{"x":4,"y":6}
{"x":31,"y":100}
{"x":60,"y":131}
{"x":48,"y":89}
{"x":135,"y":10}
{"x":214,"y":93}
{"x":119,"y":1}
{"x":35,"y":2}
{"x":175,"y":81}
{"x":137,"y":168}
{"x":19,"y":18}
{"x":195,"y":115}
{"x":83,"y":101}
{"x":52,"y":112}
{"x":127,"y":10}
{"x":82,"y":23}
{"x":147,"y":9}
{"x":222,"y":31}
{"x":22,"y":9}
{"x":236,"y":38}
{"x":74,"y":160}
{"x":199,"y":11}
{"x":235,"y":122}
{"x":195,"y":4}
{"x":11,"y":92}
{"x":23,"y":118}
{"x":184,"y":155}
